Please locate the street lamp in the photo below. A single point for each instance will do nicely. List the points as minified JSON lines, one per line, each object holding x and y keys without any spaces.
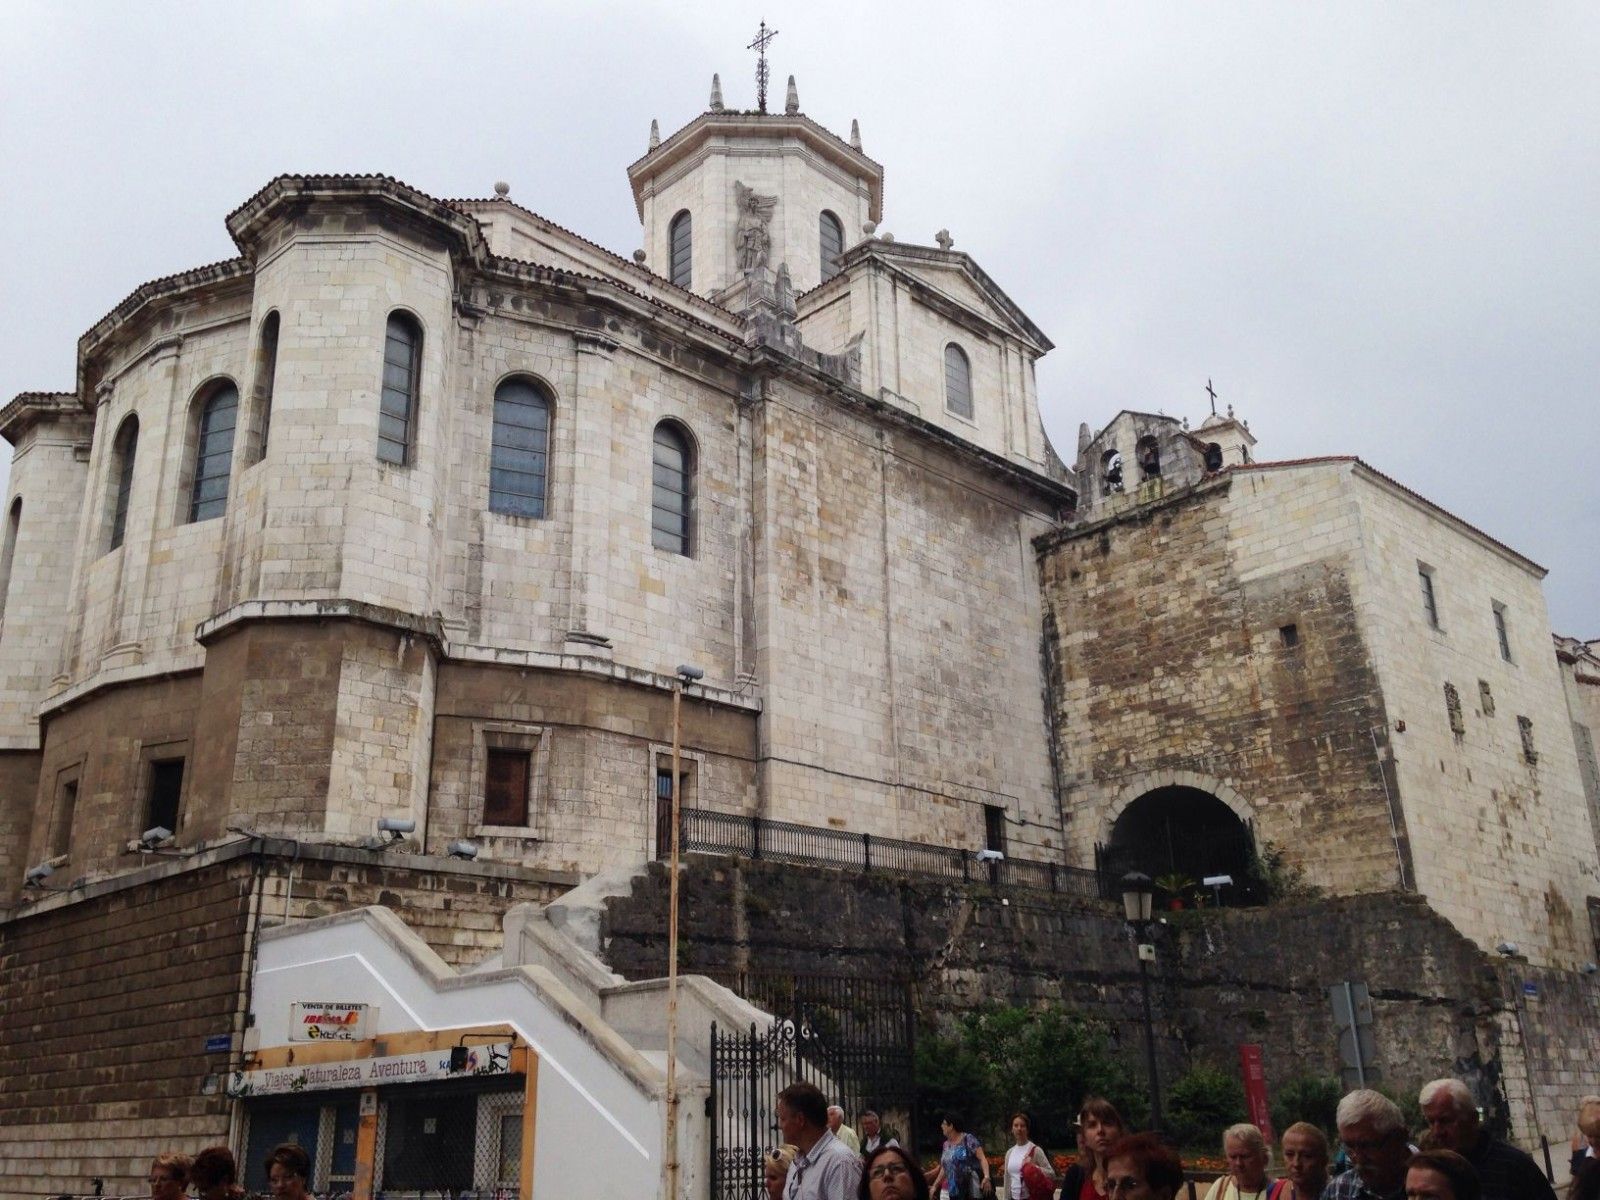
{"x":685,"y":674}
{"x":1137,"y":896}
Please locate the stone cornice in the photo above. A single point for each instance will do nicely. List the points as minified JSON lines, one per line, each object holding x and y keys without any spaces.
{"x":28,"y":409}
{"x":777,"y":126}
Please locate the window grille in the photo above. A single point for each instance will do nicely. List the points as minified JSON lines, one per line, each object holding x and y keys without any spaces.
{"x":831,"y":234}
{"x":1452,"y":708}
{"x":681,"y":236}
{"x":213,"y":454}
{"x":957,"y":381}
{"x":671,"y":483}
{"x":519,"y":457}
{"x":1530,"y":753}
{"x":127,"y":445}
{"x":397,"y":405}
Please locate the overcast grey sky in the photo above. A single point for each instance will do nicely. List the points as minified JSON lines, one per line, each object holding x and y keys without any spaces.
{"x":1373,"y":225}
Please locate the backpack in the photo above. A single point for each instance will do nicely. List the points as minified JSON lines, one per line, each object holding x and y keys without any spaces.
{"x":1036,"y":1184}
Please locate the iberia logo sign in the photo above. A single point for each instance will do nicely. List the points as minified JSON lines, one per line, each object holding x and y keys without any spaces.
{"x":321,"y":1021}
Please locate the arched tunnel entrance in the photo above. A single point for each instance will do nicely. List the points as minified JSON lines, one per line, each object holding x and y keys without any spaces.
{"x":1180,"y":836}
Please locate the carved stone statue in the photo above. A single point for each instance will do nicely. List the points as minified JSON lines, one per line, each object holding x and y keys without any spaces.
{"x":755,"y":215}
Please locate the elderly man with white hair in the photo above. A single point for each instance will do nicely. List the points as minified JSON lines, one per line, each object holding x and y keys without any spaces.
{"x":1373,"y":1133}
{"x":842,"y":1131}
{"x":1505,"y":1172}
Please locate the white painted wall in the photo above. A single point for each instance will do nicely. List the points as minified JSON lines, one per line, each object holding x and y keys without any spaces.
{"x":600,"y":1102}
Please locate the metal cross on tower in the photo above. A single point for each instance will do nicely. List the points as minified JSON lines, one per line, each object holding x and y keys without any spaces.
{"x":1212,"y":392}
{"x":760,"y":47}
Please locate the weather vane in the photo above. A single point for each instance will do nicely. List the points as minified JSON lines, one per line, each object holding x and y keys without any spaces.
{"x":1212,"y":392}
{"x":760,"y":47}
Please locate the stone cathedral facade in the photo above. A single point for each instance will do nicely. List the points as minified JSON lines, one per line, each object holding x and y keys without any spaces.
{"x":413,"y":508}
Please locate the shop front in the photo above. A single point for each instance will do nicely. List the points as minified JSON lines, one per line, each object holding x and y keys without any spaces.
{"x":446,"y":1112}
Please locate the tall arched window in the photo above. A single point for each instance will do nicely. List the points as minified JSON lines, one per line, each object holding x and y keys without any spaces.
{"x":266,"y":377}
{"x":680,"y":234}
{"x":957,"y":381}
{"x":213,"y":453}
{"x":831,"y":234}
{"x":8,"y":549}
{"x":520,"y":452}
{"x":397,"y":404}
{"x":672,"y":489}
{"x":123,"y":452}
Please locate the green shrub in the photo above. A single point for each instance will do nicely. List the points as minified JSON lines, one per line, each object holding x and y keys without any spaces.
{"x":1042,"y":1060}
{"x":1201,"y":1104}
{"x":1312,"y":1098}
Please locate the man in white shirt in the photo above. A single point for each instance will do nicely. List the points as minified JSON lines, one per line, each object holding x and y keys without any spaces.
{"x":842,"y":1131}
{"x":825,"y":1168}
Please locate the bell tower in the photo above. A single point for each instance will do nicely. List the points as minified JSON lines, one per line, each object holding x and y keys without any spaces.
{"x":734,"y":192}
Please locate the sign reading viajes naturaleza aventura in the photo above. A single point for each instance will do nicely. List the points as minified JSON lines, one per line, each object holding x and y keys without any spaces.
{"x":493,"y":1059}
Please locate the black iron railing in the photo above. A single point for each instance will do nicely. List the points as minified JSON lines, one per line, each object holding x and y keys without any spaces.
{"x":707,"y":832}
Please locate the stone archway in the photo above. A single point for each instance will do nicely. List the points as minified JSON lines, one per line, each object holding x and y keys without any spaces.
{"x":1173,"y":829}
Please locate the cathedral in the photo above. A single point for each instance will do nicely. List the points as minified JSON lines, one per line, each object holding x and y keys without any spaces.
{"x":408,"y":524}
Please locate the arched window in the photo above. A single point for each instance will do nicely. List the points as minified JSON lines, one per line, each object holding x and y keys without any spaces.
{"x":832,"y":238}
{"x":8,"y":549}
{"x":123,"y":452}
{"x":1111,"y":472}
{"x":266,"y":377}
{"x":213,"y":453}
{"x":1148,"y":450}
{"x":1213,"y":457}
{"x":680,"y":234}
{"x":397,"y":404}
{"x":520,"y":450}
{"x":672,"y":489}
{"x":957,"y":381}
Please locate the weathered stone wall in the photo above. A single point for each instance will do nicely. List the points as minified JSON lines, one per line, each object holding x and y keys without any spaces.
{"x":107,"y":994}
{"x":1171,"y":669}
{"x":1502,"y":846}
{"x":1222,"y":976}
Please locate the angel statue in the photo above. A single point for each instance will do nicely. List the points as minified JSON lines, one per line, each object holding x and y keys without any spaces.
{"x":755,"y":214}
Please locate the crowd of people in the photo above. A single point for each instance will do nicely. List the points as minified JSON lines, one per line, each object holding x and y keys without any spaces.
{"x":214,"y":1174}
{"x":1456,"y":1158}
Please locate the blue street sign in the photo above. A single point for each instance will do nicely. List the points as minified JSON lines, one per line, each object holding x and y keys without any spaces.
{"x":219,"y":1043}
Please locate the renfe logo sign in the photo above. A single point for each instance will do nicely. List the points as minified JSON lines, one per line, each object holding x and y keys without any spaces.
{"x":320,"y":1022}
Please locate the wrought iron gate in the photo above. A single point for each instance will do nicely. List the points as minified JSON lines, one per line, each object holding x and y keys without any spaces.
{"x":853,"y":1038}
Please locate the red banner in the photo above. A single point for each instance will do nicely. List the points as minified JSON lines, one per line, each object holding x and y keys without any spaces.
{"x":1255,"y":1090}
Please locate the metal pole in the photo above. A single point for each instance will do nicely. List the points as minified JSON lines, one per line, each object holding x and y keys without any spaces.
{"x":1355,"y":1035}
{"x":672,"y":957}
{"x":1150,"y":1049}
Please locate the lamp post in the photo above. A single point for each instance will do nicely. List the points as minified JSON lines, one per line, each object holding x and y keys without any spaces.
{"x":685,"y":674}
{"x":1137,"y":895}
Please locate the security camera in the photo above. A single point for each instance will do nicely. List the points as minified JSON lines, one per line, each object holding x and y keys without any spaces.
{"x":1589,"y":968}
{"x":463,"y":850}
{"x":991,"y":855}
{"x":396,"y":827}
{"x":690,"y":673}
{"x":1216,"y":881}
{"x":154,"y":836}
{"x":1509,"y":949}
{"x":36,"y":876}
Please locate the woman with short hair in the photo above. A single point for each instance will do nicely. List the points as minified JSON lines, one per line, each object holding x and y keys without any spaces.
{"x":1246,"y":1152}
{"x":169,"y":1176}
{"x":1142,"y":1167}
{"x":288,"y":1172}
{"x":775,"y":1169}
{"x":215,"y":1175}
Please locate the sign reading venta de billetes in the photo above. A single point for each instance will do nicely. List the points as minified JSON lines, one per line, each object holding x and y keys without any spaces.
{"x":494,"y":1059}
{"x":317,"y":1022}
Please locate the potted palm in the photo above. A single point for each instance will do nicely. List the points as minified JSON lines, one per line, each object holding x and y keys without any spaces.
{"x":1177,"y":887}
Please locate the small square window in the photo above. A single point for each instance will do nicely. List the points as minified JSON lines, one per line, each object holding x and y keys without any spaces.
{"x":1289,"y":635}
{"x":505,"y":787}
